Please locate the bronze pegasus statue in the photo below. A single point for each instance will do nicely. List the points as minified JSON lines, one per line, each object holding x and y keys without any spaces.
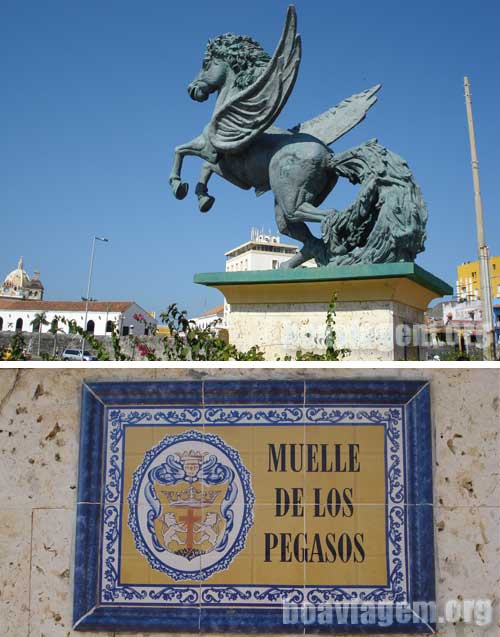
{"x":240,"y":143}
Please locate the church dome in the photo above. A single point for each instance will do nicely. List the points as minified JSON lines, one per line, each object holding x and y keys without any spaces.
{"x":19,"y":285}
{"x":18,"y":278}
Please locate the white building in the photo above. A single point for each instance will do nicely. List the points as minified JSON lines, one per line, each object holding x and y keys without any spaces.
{"x":22,"y":315}
{"x":23,"y":309}
{"x":462,"y":311}
{"x":213,"y":316}
{"x":262,"y":252}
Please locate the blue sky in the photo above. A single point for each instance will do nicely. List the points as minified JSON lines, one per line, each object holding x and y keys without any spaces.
{"x":94,"y":100}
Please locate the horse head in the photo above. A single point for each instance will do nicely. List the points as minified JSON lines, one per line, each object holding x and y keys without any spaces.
{"x":230,"y":60}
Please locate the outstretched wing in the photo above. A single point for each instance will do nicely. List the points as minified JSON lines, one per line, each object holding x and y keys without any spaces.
{"x":235,"y":124}
{"x":339,"y":120}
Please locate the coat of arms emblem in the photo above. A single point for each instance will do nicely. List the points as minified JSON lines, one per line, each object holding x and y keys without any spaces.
{"x":191,"y":505}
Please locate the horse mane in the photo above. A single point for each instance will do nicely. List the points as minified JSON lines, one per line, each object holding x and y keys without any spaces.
{"x":244,"y":55}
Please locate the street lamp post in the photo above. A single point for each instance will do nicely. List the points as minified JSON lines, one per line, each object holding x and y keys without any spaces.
{"x":484,"y":261}
{"x":89,"y":284}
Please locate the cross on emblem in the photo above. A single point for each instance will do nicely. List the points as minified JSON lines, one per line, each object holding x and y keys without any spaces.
{"x":190,"y":519}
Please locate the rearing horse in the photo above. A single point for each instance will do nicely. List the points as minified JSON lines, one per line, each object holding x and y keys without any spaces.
{"x":241,"y":144}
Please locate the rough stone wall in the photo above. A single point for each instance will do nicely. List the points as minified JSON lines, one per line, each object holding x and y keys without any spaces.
{"x":63,"y":341}
{"x":39,"y":423}
{"x":366,"y":328}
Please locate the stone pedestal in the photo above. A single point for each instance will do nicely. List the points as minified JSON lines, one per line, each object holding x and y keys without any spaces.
{"x":379,"y":311}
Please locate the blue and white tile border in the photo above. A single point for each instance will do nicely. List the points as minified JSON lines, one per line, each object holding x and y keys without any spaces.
{"x":101,"y":602}
{"x":117,"y":419}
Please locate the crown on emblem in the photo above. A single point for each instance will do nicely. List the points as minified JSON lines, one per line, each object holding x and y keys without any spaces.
{"x":192,"y":455}
{"x":190,"y":498}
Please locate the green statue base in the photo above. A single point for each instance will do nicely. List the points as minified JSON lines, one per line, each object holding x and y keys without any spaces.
{"x":379,"y":312}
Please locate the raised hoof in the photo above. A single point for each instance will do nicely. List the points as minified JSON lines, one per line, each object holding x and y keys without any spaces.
{"x":179,"y":188}
{"x":205,"y":203}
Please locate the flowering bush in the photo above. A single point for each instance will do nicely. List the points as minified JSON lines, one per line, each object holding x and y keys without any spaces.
{"x":16,"y":350}
{"x":143,"y":349}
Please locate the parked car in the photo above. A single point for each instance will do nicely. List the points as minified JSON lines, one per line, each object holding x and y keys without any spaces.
{"x":76,"y":355}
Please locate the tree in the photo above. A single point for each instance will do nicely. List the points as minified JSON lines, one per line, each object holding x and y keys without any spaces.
{"x":39,"y":320}
{"x":54,"y":328}
{"x":16,"y":350}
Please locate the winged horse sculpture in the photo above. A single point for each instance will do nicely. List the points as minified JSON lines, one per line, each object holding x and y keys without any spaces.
{"x":241,"y":144}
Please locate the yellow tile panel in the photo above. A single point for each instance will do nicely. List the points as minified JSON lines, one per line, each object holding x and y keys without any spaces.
{"x":319,"y":521}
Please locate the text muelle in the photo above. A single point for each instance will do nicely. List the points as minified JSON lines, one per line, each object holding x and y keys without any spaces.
{"x":314,"y":458}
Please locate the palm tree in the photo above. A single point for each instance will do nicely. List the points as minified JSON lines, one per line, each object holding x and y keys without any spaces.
{"x":39,"y":320}
{"x":54,"y":328}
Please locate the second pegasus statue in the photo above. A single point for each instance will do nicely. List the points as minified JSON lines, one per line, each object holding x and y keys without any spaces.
{"x":386,"y":223}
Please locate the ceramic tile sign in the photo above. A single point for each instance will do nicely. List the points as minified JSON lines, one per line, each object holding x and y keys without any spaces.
{"x":252,"y":506}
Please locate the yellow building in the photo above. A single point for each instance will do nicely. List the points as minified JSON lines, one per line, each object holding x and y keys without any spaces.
{"x":469,"y":280}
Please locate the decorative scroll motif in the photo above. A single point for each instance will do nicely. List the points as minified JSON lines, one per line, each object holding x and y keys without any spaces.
{"x":178,"y":416}
{"x":217,"y":595}
{"x":112,"y":591}
{"x":321,"y":595}
{"x":280,"y":594}
{"x":179,"y":594}
{"x":323,"y":416}
{"x":283,"y":416}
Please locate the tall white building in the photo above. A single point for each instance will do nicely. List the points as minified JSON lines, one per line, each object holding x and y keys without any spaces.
{"x":262,"y":252}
